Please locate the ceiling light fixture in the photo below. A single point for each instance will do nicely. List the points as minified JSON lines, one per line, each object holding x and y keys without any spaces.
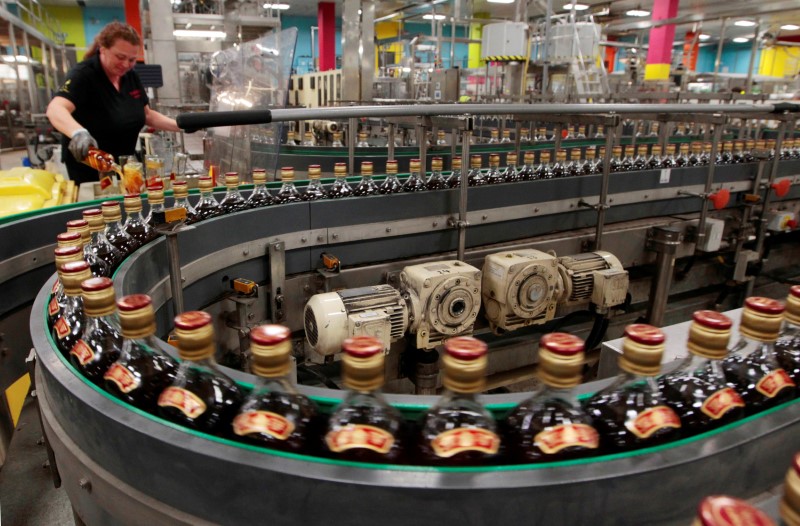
{"x":637,"y":12}
{"x":576,"y":7}
{"x":790,"y":27}
{"x":741,"y":40}
{"x":198,"y":33}
{"x":704,"y":37}
{"x":431,"y":16}
{"x":744,"y":23}
{"x":279,"y":7}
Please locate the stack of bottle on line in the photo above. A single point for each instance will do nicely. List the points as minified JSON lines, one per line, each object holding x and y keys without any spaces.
{"x":722,"y":379}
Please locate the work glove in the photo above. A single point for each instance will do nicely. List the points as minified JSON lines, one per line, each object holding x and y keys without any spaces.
{"x":80,"y":143}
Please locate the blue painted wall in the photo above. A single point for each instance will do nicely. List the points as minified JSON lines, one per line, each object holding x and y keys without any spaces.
{"x":461,"y":50}
{"x":94,"y":18}
{"x":735,"y":58}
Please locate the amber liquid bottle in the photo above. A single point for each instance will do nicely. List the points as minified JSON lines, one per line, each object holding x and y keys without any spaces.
{"x":749,"y":146}
{"x":541,"y":135}
{"x":115,"y":232}
{"x":726,"y":156}
{"x":494,"y":136}
{"x":655,"y":161}
{"x":616,"y":159}
{"x":233,"y":200}
{"x":697,"y":389}
{"x":559,"y":168}
{"x":364,"y":427}
{"x":475,"y":176}
{"x":135,"y":225}
{"x":366,"y":186}
{"x":391,"y":185}
{"x":721,"y":510}
{"x":102,"y":256}
{"x":695,"y":156}
{"x":738,"y":152}
{"x":68,"y":326}
{"x":494,"y":176}
{"x":626,"y":164}
{"x":436,"y":181}
{"x":640,"y":162}
{"x":752,"y":365}
{"x":506,"y":137}
{"x":511,"y":173}
{"x":200,"y":397}
{"x":314,"y":189}
{"x":288,"y":192}
{"x":58,"y":297}
{"x":454,"y":180}
{"x":589,"y":165}
{"x":683,"y":156}
{"x":155,"y":198}
{"x":789,"y":507}
{"x":544,"y":170}
{"x":440,"y":138}
{"x":208,"y":206}
{"x":80,"y":227}
{"x":260,"y":195}
{"x":415,"y":181}
{"x":100,"y":343}
{"x":142,"y":370}
{"x":340,"y":187}
{"x":788,"y":345}
{"x":275,"y":414}
{"x":632,"y":413}
{"x":180,"y":191}
{"x":551,"y":425}
{"x":668,"y":161}
{"x":362,"y":140}
{"x":574,"y":166}
{"x":458,"y":430}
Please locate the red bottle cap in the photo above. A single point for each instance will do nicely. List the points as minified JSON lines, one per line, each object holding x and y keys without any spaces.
{"x":92,"y":212}
{"x":562,"y":343}
{"x":796,"y":463}
{"x":719,"y":510}
{"x":132,"y":196}
{"x":95,"y":284}
{"x":181,"y":183}
{"x":764,"y":305}
{"x":645,"y":334}
{"x":795,"y":291}
{"x":77,"y":223}
{"x":270,"y":334}
{"x":133,"y":302}
{"x":67,"y":251}
{"x":191,"y":320}
{"x":105,"y":204}
{"x":73,"y":267}
{"x":68,"y":236}
{"x":465,"y":348}
{"x":362,"y":346}
{"x":712,"y":319}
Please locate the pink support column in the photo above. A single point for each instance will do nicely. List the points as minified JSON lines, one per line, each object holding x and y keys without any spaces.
{"x":659,"y":52}
{"x":326,"y":21}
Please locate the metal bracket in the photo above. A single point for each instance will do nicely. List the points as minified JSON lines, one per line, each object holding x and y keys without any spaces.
{"x":277,"y":279}
{"x":598,"y":206}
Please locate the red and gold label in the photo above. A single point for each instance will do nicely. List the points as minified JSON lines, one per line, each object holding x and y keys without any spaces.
{"x":771,"y":384}
{"x":105,"y":182}
{"x":359,"y":436}
{"x":125,"y":380}
{"x":62,"y":328}
{"x":266,"y":422}
{"x":554,"y":439}
{"x":82,"y":352}
{"x":651,"y":420}
{"x":185,"y":401}
{"x":721,"y":402}
{"x":55,"y":287}
{"x":52,"y":307}
{"x":462,"y":439}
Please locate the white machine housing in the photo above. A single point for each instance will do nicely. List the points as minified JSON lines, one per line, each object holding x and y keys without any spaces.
{"x":444,"y":299}
{"x":504,"y":38}
{"x":332,"y":317}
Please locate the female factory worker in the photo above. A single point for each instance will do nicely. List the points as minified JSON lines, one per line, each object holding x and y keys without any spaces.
{"x":103,"y":103}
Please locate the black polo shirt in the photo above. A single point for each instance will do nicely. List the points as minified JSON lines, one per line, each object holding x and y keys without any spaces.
{"x":114,"y":118}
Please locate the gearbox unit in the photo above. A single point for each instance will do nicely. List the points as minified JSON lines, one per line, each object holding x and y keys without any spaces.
{"x":444,"y":298}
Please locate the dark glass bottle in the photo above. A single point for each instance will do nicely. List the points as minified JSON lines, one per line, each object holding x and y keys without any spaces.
{"x":391,"y":184}
{"x":290,"y":138}
{"x":207,"y":207}
{"x":155,"y":198}
{"x":626,"y":164}
{"x":337,"y":140}
{"x":705,"y":155}
{"x":68,"y":326}
{"x":288,"y":192}
{"x":581,"y":134}
{"x":789,"y":507}
{"x":721,"y":510}
{"x":640,"y":161}
{"x":588,"y":163}
{"x":697,"y":390}
{"x":669,"y":160}
{"x":599,"y":159}
{"x":340,"y":187}
{"x":362,"y":140}
{"x":683,"y":156}
{"x":726,"y":155}
{"x":541,"y":135}
{"x":506,"y":137}
{"x":599,"y":134}
{"x":180,"y":191}
{"x":366,"y":186}
{"x":654,"y":162}
{"x":559,"y":168}
{"x":752,"y":366}
{"x":738,"y":152}
{"x":115,"y":232}
{"x":574,"y":166}
{"x":544,"y":170}
{"x":100,"y":343}
{"x":314,"y":190}
{"x":632,"y":413}
{"x":200,"y":397}
{"x":788,"y":345}
{"x":142,"y":370}
{"x":696,"y":154}
{"x":570,"y":132}
{"x":81,"y":228}
{"x":493,"y":176}
{"x":551,"y":425}
{"x":615,"y":162}
{"x":524,"y":135}
{"x":749,"y":146}
{"x":415,"y":181}
{"x":58,"y":297}
{"x":364,"y":427}
{"x":526,"y":171}
{"x":102,"y":256}
{"x":511,"y":173}
{"x":440,"y":138}
{"x":275,"y":414}
{"x":680,"y":130}
{"x":458,"y":430}
{"x":233,"y":200}
{"x":135,"y":225}
{"x":771,"y":144}
{"x":436,"y":181}
{"x":260,"y":195}
{"x":454,"y":179}
{"x":308,"y":139}
{"x":475,"y":176}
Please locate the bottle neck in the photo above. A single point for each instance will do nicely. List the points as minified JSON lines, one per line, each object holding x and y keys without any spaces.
{"x":97,"y":322}
{"x":564,"y":394}
{"x":747,"y":346}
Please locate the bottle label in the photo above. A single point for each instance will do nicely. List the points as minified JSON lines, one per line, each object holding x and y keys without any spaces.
{"x":721,"y":402}
{"x":82,"y":352}
{"x":354,"y":436}
{"x":554,"y":439}
{"x":266,"y":422}
{"x":125,"y":380}
{"x":62,"y":328}
{"x":185,"y":401}
{"x":55,"y":287}
{"x":52,"y":307}
{"x":651,"y":420}
{"x":773,"y":383}
{"x":462,"y":439}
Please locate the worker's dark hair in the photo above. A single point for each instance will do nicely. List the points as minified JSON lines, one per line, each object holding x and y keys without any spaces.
{"x":110,"y":34}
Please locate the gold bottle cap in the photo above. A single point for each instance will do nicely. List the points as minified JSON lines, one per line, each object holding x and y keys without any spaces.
{"x":391,"y":167}
{"x":231,"y":179}
{"x":464,"y":361}
{"x":542,"y":131}
{"x":337,"y":136}
{"x":362,"y":135}
{"x":289,"y":135}
{"x":259,"y":176}
{"x":456,"y":163}
{"x":287,"y":174}
{"x":524,"y":131}
{"x":195,"y":334}
{"x":727,"y":146}
{"x":511,"y":159}
{"x":709,"y":334}
{"x":697,"y":147}
{"x":69,"y":239}
{"x":739,"y":145}
{"x":506,"y":133}
{"x":642,"y":149}
{"x":528,"y":157}
{"x":205,"y":183}
{"x":721,"y":510}
{"x":67,"y":254}
{"x":792,"y":313}
{"x":494,"y":160}
{"x":771,"y":144}
{"x":362,"y":363}
{"x":94,"y":216}
{"x":136,"y":316}
{"x":560,"y":360}
{"x":155,"y":196}
{"x":437,"y":164}
{"x":309,"y":136}
{"x":575,"y":154}
{"x":475,"y":160}
{"x":414,"y":165}
{"x":790,"y":504}
{"x":271,"y":346}
{"x":72,"y":275}
{"x":684,"y":148}
{"x":440,"y":134}
{"x":750,"y":144}
{"x":561,"y":155}
{"x":581,"y":129}
{"x":657,"y":150}
{"x":98,"y":296}
{"x":366,"y":168}
{"x":181,"y":190}
{"x":340,"y":169}
{"x":654,"y":126}
{"x":590,"y":149}
{"x":761,"y":319}
{"x":761,"y":144}
{"x":314,"y":171}
{"x":495,"y":132}
{"x":544,"y":157}
{"x":133,"y":204}
{"x":617,"y":151}
{"x":81,"y":227}
{"x":111,"y":211}
{"x":642,"y":350}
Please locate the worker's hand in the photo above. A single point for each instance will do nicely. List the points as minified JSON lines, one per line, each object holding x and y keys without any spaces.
{"x":80,"y":143}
